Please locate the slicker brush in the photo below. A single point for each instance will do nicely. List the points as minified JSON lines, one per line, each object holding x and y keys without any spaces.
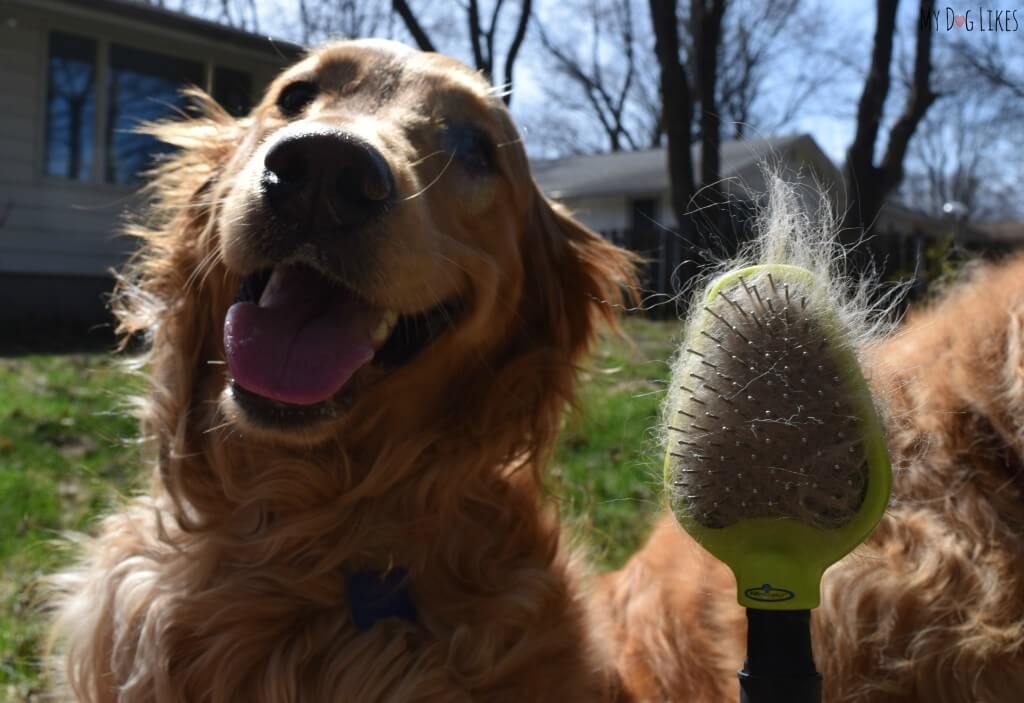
{"x":776,"y":459}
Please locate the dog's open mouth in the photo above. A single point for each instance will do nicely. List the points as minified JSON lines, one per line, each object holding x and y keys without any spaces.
{"x":295,"y":338}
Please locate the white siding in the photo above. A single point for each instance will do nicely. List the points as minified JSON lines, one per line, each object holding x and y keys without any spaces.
{"x":50,"y":225}
{"x":666,"y":216}
{"x":800,"y":162}
{"x":600,"y":213}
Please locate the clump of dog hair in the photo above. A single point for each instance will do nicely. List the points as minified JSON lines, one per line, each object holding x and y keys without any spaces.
{"x":796,"y":225}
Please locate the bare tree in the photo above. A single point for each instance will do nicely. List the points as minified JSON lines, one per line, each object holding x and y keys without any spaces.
{"x":678,"y":110}
{"x":607,"y":66}
{"x":989,"y":63}
{"x":706,"y":33}
{"x":483,"y":37}
{"x":305,"y":21}
{"x":677,"y":105}
{"x":240,"y":13}
{"x":752,"y":39}
{"x":412,"y":24}
{"x":604,"y":78}
{"x":321,"y":20}
{"x":948,"y":160}
{"x":959,"y":154}
{"x":868,"y":185}
{"x":234,"y":13}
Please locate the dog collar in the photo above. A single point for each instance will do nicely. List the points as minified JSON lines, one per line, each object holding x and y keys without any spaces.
{"x":374,"y":596}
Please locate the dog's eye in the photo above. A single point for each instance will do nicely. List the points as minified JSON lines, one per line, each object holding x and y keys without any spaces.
{"x":295,"y":97}
{"x":474,"y":149}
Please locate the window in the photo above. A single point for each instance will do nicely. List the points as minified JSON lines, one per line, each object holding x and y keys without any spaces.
{"x":233,"y":90}
{"x":141,"y":86}
{"x":649,"y":241}
{"x":70,"y":107}
{"x":645,"y":213}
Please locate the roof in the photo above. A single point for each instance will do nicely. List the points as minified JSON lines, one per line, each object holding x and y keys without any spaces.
{"x":897,"y":217}
{"x":179,"y":21}
{"x":646,"y":172}
{"x":1010,"y":232}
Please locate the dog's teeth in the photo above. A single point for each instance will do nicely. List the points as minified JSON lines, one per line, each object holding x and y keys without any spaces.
{"x":384,"y":327}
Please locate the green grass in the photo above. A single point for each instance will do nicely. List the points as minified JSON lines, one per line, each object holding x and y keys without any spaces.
{"x":63,"y":454}
{"x":607,"y":459}
{"x":67,"y":450}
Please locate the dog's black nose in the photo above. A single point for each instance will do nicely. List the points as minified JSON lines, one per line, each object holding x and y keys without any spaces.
{"x":327,"y":178}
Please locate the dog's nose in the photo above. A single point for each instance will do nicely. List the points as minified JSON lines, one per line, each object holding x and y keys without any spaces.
{"x":328,"y":178}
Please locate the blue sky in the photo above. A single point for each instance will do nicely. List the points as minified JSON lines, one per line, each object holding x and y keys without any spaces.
{"x":832,"y":41}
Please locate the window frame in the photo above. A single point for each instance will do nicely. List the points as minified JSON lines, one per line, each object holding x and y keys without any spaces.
{"x":104,"y":39}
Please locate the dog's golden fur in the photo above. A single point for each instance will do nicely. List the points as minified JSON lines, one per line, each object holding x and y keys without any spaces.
{"x":932,"y":609}
{"x":226,"y":582}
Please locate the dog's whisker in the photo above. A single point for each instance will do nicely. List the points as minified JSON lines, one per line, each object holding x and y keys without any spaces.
{"x":432,"y":154}
{"x":200,"y":272}
{"x":212,"y":265}
{"x":437,"y":178}
{"x":216,"y":428}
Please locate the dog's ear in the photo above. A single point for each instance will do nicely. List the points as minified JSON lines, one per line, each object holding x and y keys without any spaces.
{"x":575,"y":278}
{"x":573,"y":281}
{"x":170,"y":291}
{"x":175,"y":257}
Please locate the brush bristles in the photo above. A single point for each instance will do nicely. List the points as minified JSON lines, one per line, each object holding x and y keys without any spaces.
{"x":762,"y":428}
{"x":751,"y":449}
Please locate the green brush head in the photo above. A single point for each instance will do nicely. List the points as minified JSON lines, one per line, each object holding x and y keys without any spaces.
{"x":776,"y":460}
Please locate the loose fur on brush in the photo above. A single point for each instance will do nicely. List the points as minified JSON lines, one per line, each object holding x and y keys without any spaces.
{"x":226,"y":581}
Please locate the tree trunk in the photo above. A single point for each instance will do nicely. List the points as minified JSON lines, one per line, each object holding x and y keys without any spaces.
{"x":413,"y":25}
{"x":697,"y":210}
{"x":677,"y":110}
{"x":707,"y":33}
{"x":481,"y":38}
{"x":868,"y":185}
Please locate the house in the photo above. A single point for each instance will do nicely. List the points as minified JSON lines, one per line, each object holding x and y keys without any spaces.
{"x":78,"y":75}
{"x":628,"y":189}
{"x":626,"y":196}
{"x":1009,"y":233}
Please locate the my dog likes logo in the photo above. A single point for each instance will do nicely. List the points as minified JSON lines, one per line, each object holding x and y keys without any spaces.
{"x":980,"y":20}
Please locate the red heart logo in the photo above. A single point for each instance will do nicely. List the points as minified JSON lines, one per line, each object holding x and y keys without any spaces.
{"x":959,"y":19}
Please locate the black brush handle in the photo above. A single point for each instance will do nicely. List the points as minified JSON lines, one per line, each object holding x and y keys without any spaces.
{"x":780,"y":665}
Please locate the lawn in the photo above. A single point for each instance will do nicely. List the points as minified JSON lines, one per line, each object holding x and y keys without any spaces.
{"x":68,"y":449}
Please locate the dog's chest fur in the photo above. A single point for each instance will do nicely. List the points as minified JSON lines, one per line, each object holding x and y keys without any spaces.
{"x":501,"y":624}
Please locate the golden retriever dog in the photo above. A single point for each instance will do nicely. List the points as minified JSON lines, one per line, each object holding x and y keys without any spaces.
{"x":364,"y":323}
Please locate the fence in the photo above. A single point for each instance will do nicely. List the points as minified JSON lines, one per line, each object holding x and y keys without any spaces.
{"x":917,"y":256}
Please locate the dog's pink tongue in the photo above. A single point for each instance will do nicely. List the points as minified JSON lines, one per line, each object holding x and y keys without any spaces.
{"x":302,"y":342}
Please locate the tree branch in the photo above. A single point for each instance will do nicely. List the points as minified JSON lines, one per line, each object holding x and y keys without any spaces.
{"x":626,"y":35}
{"x":492,"y":28}
{"x":677,"y":105}
{"x":860,"y":155}
{"x":571,"y":67}
{"x":413,"y":25}
{"x":920,"y":99}
{"x":517,"y":43}
{"x":473,"y":18}
{"x":707,"y":31}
